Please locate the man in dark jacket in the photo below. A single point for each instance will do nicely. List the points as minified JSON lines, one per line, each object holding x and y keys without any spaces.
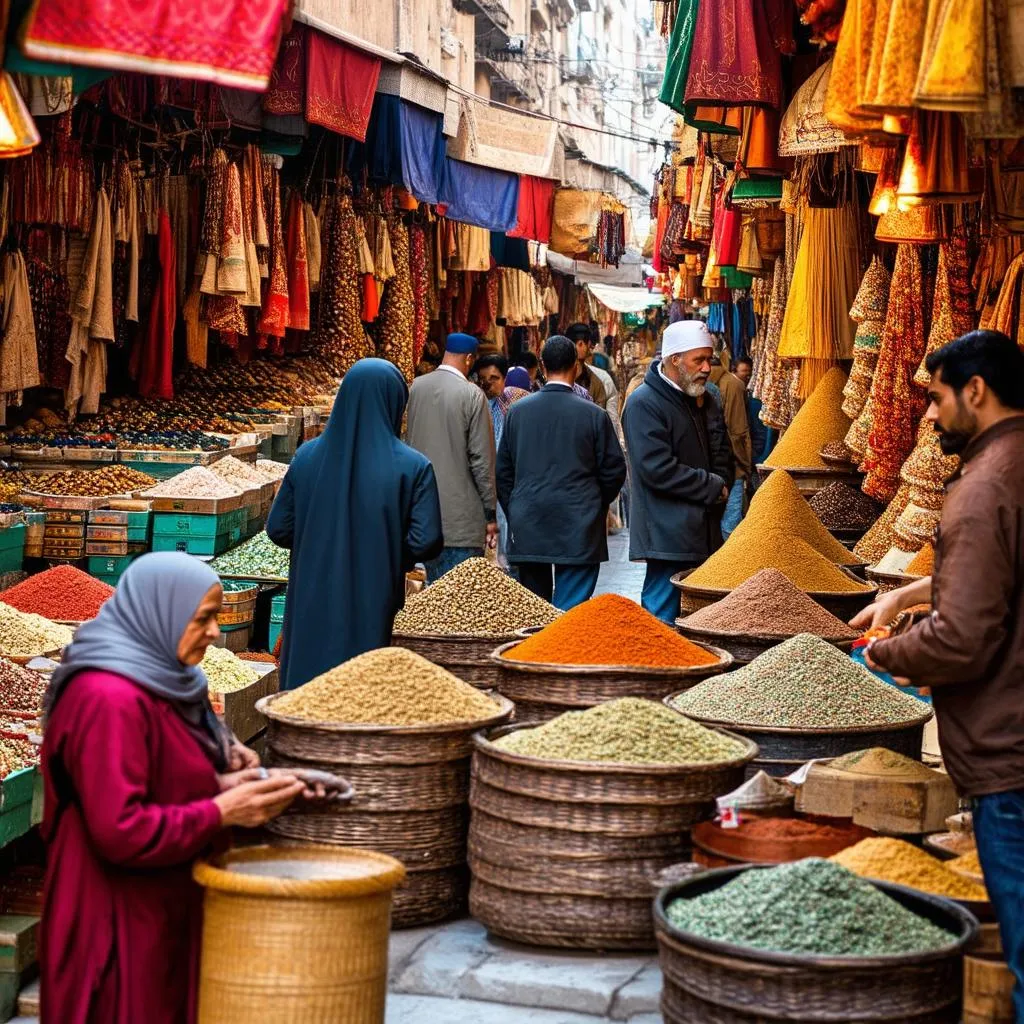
{"x":681,"y":465}
{"x":970,"y":650}
{"x":559,"y":468}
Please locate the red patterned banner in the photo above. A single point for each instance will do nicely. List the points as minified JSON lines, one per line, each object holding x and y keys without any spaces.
{"x":340,"y":83}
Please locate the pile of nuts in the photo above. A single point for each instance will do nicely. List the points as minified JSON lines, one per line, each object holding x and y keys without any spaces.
{"x":91,"y":483}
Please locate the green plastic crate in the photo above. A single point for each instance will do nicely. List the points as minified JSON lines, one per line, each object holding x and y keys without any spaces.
{"x":12,"y":548}
{"x":273,"y":633}
{"x":191,"y":545}
{"x":195,"y":524}
{"x":102,"y":566}
{"x":277,"y":604}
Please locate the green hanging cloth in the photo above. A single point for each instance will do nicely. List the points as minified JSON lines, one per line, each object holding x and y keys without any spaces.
{"x":677,"y":65}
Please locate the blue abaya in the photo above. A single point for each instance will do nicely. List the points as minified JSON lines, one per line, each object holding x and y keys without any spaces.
{"x":358,"y":509}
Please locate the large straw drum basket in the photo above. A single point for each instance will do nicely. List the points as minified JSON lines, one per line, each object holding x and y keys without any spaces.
{"x":543,"y":691}
{"x":411,"y":798}
{"x":563,"y":853}
{"x":712,"y":982}
{"x":297,"y":935}
{"x":463,"y":654}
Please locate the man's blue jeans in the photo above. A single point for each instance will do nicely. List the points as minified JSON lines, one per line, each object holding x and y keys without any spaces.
{"x":659,"y":596}
{"x":733,"y":515}
{"x":565,"y":586}
{"x":999,"y":831}
{"x":448,"y":559}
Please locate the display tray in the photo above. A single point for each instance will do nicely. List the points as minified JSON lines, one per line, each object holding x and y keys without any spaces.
{"x":73,"y":502}
{"x":238,"y":708}
{"x":205,"y":506}
{"x":744,"y":647}
{"x":253,"y":579}
{"x":90,"y":454}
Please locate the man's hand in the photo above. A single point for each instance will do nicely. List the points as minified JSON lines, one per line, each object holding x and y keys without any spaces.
{"x":724,"y":496}
{"x":492,"y":536}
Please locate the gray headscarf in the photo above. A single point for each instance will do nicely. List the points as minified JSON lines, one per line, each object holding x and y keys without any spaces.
{"x":136,"y":635}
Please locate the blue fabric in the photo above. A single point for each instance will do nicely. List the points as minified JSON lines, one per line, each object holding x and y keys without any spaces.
{"x":461,"y":344}
{"x":518,"y":377}
{"x":480,"y":195}
{"x":758,"y":431}
{"x":448,"y":559}
{"x":358,"y":509}
{"x":733,"y":509}
{"x":423,"y":152}
{"x":659,"y":596}
{"x":510,"y":252}
{"x":999,"y":832}
{"x":380,"y":157}
{"x":571,"y":585}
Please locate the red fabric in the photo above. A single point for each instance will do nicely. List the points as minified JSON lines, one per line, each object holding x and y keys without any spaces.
{"x":152,"y":361}
{"x":298,"y":269}
{"x":231,"y":42}
{"x":275,"y":311}
{"x":128,"y":808}
{"x":287,"y":92}
{"x":371,"y":300}
{"x":340,"y":83}
{"x":536,"y":202}
{"x":726,"y":232}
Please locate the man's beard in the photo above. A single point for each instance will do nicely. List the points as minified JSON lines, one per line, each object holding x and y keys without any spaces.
{"x":694,"y":385}
{"x":954,"y":439}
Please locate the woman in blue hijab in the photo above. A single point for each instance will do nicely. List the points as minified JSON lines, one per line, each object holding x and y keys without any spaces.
{"x":358,"y":509}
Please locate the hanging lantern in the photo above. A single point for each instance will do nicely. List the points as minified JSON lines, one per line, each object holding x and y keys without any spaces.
{"x":18,"y":132}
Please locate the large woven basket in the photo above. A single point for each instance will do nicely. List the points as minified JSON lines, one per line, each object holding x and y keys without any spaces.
{"x":463,"y":654}
{"x":744,"y":647}
{"x":412,"y":791}
{"x":713,"y":982}
{"x":292,"y":949}
{"x":563,"y":852}
{"x":543,"y":691}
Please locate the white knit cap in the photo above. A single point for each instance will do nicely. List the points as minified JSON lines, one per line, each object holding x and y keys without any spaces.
{"x":684,"y":336}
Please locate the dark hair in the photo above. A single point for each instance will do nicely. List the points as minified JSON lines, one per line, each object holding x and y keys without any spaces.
{"x":558,"y":354}
{"x":990,"y":355}
{"x":494,"y":359}
{"x":609,"y":340}
{"x":745,"y":359}
{"x":527,"y":360}
{"x":575,"y":332}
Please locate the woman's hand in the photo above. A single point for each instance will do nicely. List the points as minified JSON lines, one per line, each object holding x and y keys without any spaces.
{"x":251,"y":804}
{"x":231,"y":779}
{"x":240,"y":756}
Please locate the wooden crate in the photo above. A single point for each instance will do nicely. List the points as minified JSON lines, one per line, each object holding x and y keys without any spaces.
{"x":239,"y":708}
{"x":200,"y":506}
{"x":19,"y":943}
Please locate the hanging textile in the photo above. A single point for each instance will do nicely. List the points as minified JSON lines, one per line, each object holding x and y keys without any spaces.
{"x":480,"y":195}
{"x":379,"y":159}
{"x":896,"y":47}
{"x":677,"y":63}
{"x":418,"y":274}
{"x":231,"y":42}
{"x":340,"y":85}
{"x":287,"y":93}
{"x":196,"y":331}
{"x":536,"y":205}
{"x":397,"y":310}
{"x":295,"y":261}
{"x":423,"y":151}
{"x":275,"y":309}
{"x":51,"y":300}
{"x":152,"y":362}
{"x":847,"y":87}
{"x":126,"y":229}
{"x":953,"y":306}
{"x":19,"y":359}
{"x":312,"y":246}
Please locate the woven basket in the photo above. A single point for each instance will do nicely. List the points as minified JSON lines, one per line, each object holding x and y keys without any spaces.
{"x":887,"y":581}
{"x":543,"y":691}
{"x":742,"y":984}
{"x":463,"y":654}
{"x":744,"y":647}
{"x":313,"y":950}
{"x":426,"y":897}
{"x":563,"y":852}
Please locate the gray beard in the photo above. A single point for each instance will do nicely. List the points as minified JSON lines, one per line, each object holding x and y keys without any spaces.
{"x":690,"y":385}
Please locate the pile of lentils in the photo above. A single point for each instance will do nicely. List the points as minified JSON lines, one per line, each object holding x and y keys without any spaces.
{"x":225,"y":671}
{"x":841,"y":507}
{"x":197,"y":482}
{"x":62,"y":593}
{"x":258,"y":556}
{"x":893,"y":860}
{"x":388,"y":686}
{"x":21,"y":689}
{"x":810,"y":907}
{"x":768,"y":605}
{"x":475,"y":598}
{"x":27,"y":636}
{"x":627,"y":731}
{"x":91,"y":483}
{"x":805,"y":682}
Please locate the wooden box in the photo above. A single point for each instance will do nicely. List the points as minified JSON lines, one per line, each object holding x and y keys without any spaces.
{"x":239,"y":707}
{"x":19,"y":937}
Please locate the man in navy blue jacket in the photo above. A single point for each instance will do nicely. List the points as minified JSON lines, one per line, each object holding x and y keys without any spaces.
{"x":559,"y":468}
{"x":681,"y":465}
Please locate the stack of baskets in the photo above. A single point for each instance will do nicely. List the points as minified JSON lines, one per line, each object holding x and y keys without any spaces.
{"x":465,"y":655}
{"x":563,"y":853}
{"x":412,"y":789}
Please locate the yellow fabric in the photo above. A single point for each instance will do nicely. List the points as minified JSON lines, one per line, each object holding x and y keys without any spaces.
{"x":952,"y":73}
{"x":847,"y":85}
{"x":896,"y":55}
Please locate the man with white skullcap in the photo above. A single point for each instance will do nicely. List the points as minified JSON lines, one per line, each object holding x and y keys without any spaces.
{"x":681,"y":465}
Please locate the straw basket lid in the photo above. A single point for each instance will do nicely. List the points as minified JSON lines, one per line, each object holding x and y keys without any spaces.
{"x":503,"y":708}
{"x":943,"y":912}
{"x":486,"y":745}
{"x":724,"y":662}
{"x":804,"y":128}
{"x":802,"y":730}
{"x":343,"y":872}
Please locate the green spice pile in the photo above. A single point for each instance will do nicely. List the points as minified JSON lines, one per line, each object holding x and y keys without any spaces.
{"x":24,"y":635}
{"x":225,"y":672}
{"x":841,"y":507}
{"x":805,"y":682}
{"x":811,"y":907}
{"x":259,"y":556}
{"x":21,"y":689}
{"x":197,"y":482}
{"x":389,"y":686}
{"x":629,"y":731}
{"x":475,"y":598}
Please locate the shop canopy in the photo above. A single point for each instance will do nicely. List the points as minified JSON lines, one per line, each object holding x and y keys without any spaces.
{"x":629,"y":271}
{"x":625,"y":300}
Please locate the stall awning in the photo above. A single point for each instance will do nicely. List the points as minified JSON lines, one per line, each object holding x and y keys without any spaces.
{"x":504,"y":139}
{"x":625,"y":300}
{"x":629,"y":272}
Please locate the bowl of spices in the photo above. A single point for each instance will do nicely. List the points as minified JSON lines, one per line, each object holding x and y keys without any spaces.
{"x":808,"y":941}
{"x":759,"y":840}
{"x":605,"y":648}
{"x":458,"y":621}
{"x":845,"y":511}
{"x":572,"y":818}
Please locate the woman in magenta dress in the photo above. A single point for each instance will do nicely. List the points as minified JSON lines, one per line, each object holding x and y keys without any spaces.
{"x":138,"y":784}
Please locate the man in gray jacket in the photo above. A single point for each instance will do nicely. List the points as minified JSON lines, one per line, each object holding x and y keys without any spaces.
{"x":449,"y":422}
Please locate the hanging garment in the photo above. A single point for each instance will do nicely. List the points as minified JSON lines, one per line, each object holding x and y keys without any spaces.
{"x":340,"y":85}
{"x":677,"y":63}
{"x":312,"y":246}
{"x":848,"y":80}
{"x":897,"y":44}
{"x":935,"y":165}
{"x":472,"y":248}
{"x":126,"y":229}
{"x":51,"y":300}
{"x":287,"y":93}
{"x":420,"y":287}
{"x":196,"y":330}
{"x":274,"y":313}
{"x":536,"y":205}
{"x":398,"y":306}
{"x":480,"y":195}
{"x":231,"y":272}
{"x":953,"y":69}
{"x":295,"y":260}
{"x":19,"y":358}
{"x":152,"y":362}
{"x":213,"y":224}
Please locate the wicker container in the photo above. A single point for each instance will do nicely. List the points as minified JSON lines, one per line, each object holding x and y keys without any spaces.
{"x":297,"y":950}
{"x":886,"y":581}
{"x":542,"y":691}
{"x":411,"y":802}
{"x":717,"y":847}
{"x":710,"y":982}
{"x":744,"y":647}
{"x":462,"y":654}
{"x":563,"y":852}
{"x":843,"y":605}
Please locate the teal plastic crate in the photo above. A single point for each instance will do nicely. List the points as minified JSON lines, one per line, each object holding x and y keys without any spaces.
{"x":12,"y":547}
{"x":203,"y":546}
{"x":273,"y":634}
{"x":277,"y":604}
{"x":195,"y":524}
{"x":103,"y":566}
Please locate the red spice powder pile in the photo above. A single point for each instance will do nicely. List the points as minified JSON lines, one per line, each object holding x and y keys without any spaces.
{"x":62,"y":593}
{"x":791,"y":828}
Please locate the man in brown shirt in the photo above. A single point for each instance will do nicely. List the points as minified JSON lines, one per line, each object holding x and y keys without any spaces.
{"x":970,"y":651}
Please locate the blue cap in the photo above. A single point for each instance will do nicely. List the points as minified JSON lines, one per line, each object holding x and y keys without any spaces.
{"x":461,"y":344}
